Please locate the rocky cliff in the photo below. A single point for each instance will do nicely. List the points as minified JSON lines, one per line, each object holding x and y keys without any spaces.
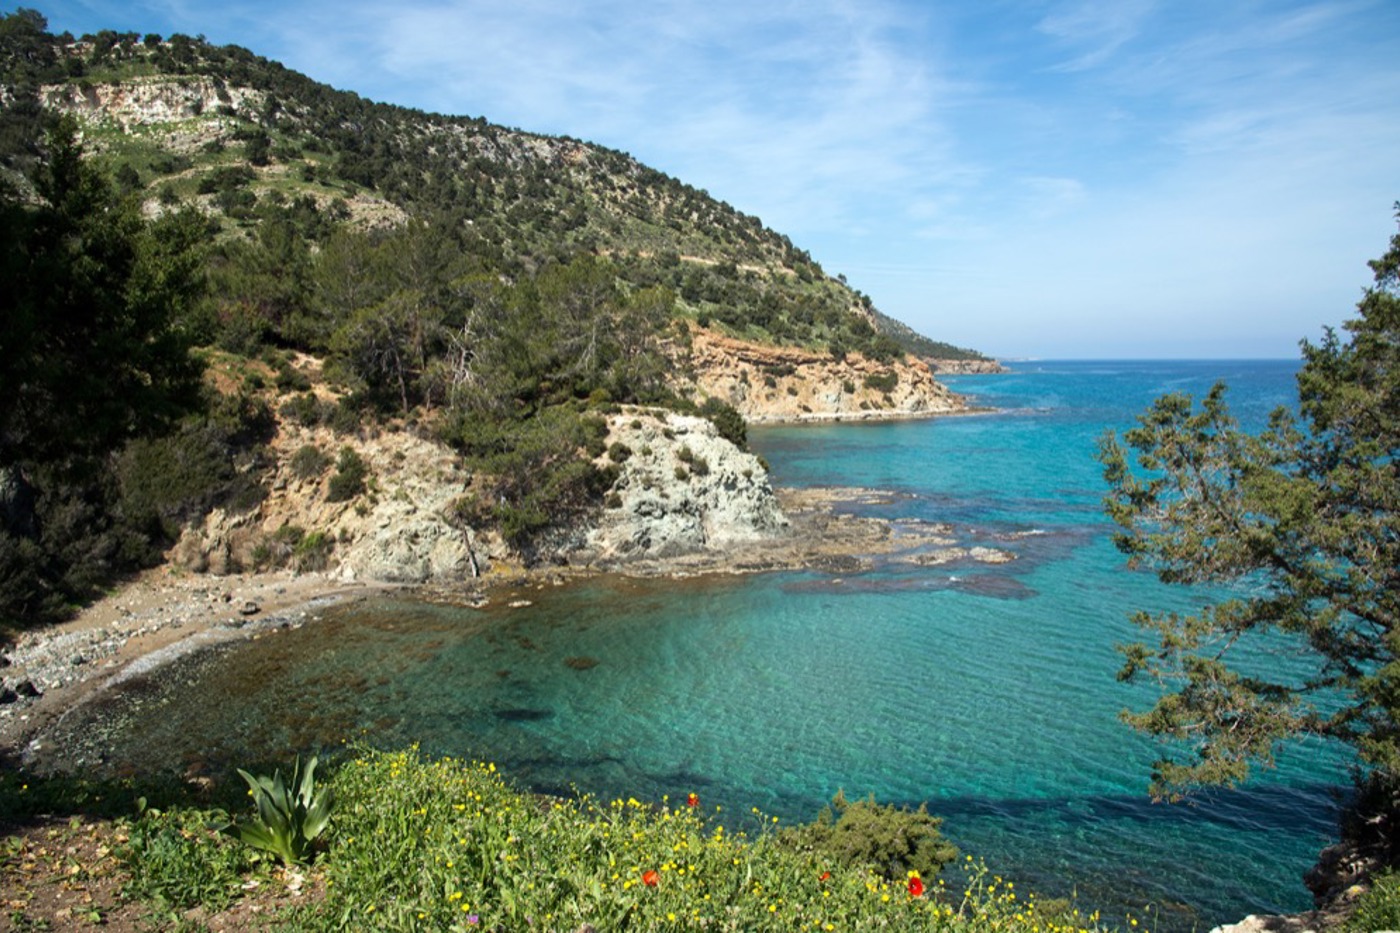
{"x":160,"y":100}
{"x":966,"y":367}
{"x":769,"y":383}
{"x":681,"y":488}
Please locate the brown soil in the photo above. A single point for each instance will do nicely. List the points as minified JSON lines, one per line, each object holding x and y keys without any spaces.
{"x":65,"y":874}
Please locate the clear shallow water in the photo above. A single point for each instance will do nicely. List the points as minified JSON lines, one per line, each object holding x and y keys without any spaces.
{"x":988,"y":691}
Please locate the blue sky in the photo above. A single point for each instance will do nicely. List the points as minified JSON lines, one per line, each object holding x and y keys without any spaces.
{"x":1091,"y":178}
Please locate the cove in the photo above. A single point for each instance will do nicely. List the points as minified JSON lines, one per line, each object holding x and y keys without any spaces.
{"x":986,"y":690}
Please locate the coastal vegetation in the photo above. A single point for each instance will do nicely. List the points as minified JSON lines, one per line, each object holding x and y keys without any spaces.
{"x":1301,"y":525}
{"x":443,"y":844}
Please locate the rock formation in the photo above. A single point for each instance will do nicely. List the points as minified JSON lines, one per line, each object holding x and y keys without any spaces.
{"x":768,"y":383}
{"x":682,"y":488}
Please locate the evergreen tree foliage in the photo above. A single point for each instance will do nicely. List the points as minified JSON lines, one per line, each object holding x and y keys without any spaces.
{"x":95,"y":357}
{"x":91,"y":333}
{"x":1301,"y":524}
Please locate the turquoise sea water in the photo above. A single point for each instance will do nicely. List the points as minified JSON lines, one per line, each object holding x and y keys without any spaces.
{"x":986,"y":690}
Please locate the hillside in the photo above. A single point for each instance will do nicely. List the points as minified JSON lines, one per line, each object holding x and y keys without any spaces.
{"x":265,"y":320}
{"x":252,"y":142}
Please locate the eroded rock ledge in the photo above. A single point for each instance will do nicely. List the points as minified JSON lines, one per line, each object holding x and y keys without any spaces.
{"x":768,"y":384}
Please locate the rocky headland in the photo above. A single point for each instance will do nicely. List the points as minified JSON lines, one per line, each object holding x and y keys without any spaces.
{"x":784,"y":384}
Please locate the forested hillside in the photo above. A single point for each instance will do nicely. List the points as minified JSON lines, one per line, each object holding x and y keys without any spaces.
{"x":172,"y":208}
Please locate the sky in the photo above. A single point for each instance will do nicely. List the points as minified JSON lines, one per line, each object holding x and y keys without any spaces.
{"x":1028,"y":178}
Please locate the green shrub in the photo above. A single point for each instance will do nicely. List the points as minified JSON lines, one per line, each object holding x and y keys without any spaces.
{"x":886,"y":839}
{"x":727,"y":421}
{"x":882,"y":382}
{"x":312,"y":553}
{"x":289,"y":378}
{"x":347,"y":416}
{"x":349,"y":479}
{"x":305,"y":410}
{"x":538,"y":480}
{"x":309,"y":462}
{"x":618,"y":452}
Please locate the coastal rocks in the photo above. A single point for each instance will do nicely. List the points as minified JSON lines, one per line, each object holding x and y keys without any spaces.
{"x":1300,"y":923}
{"x":952,"y":555}
{"x":965,"y":367}
{"x":767,"y":383}
{"x":409,"y":545}
{"x":682,"y":488}
{"x":401,"y":528}
{"x":1341,"y":875}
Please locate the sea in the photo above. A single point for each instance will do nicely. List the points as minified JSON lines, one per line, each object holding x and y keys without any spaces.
{"x":985,"y":690}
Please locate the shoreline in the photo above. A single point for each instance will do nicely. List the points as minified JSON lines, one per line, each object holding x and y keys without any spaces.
{"x":143,"y":624}
{"x":164,"y":613}
{"x":870,"y":417}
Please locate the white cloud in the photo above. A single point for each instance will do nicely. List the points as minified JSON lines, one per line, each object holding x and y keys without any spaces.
{"x":1094,"y":29}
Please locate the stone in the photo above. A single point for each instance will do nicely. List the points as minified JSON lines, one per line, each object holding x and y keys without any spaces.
{"x":684,"y":489}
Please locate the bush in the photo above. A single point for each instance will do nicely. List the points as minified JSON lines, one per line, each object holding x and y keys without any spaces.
{"x":349,"y":479}
{"x":309,"y":462}
{"x":886,"y":839}
{"x":699,"y":466}
{"x":305,"y":410}
{"x":727,"y":421}
{"x":289,"y":378}
{"x":312,"y":553}
{"x":882,"y":382}
{"x":1378,"y":908}
{"x":538,"y":479}
{"x":618,"y":452}
{"x":347,"y":416}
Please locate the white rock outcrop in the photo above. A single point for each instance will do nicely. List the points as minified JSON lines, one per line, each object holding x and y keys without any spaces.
{"x":683,"y":488}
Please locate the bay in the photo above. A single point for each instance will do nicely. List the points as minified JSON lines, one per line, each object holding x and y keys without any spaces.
{"x":986,"y":690}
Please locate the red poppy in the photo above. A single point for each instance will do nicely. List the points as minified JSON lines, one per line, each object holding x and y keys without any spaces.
{"x":825,"y":875}
{"x":916,"y":887}
{"x":692,"y":800}
{"x":650,"y":878}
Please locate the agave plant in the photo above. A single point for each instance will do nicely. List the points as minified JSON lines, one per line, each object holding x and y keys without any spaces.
{"x":290,"y":817}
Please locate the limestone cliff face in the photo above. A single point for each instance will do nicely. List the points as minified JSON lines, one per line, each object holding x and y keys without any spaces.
{"x":767,"y":383}
{"x":157,"y":101}
{"x":683,"y":488}
{"x":402,"y":529}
